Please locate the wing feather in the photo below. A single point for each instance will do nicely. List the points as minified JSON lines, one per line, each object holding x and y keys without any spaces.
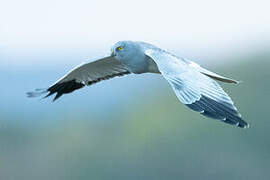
{"x":85,"y":74}
{"x":196,"y":90}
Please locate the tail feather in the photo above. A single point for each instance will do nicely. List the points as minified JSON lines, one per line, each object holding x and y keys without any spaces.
{"x":212,"y":74}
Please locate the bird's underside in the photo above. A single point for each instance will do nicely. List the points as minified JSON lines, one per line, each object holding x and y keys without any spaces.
{"x":193,"y":85}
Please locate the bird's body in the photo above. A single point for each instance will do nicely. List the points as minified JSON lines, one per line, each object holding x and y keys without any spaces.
{"x":136,"y":60}
{"x":193,"y":85}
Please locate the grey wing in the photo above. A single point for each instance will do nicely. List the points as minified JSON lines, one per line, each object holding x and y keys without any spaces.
{"x":84,"y":74}
{"x":196,"y":90}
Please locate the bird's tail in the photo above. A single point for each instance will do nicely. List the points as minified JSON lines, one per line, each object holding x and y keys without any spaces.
{"x":212,"y":74}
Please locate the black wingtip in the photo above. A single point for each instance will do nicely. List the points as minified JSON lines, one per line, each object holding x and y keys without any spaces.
{"x":217,"y":110}
{"x":58,"y":95}
{"x":245,"y":126}
{"x":59,"y":89}
{"x":63,"y":88}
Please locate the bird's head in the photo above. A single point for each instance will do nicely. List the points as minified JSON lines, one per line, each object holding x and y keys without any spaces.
{"x":124,"y":50}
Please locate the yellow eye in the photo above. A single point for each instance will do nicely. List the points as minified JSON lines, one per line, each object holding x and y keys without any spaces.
{"x":120,"y":48}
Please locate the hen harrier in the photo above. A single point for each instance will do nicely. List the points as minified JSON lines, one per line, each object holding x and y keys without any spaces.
{"x":193,"y":85}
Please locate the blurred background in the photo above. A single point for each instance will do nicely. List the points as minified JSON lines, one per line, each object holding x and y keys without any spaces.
{"x":131,"y":127}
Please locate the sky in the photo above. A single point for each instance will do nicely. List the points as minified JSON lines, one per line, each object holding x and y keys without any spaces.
{"x":32,"y":28}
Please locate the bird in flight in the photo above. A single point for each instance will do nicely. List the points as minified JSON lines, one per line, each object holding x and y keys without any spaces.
{"x":193,"y":85}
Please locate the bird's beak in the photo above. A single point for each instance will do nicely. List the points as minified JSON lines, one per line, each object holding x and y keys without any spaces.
{"x":113,"y":53}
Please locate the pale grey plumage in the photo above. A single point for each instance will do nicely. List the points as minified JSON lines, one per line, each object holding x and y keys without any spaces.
{"x":193,"y":85}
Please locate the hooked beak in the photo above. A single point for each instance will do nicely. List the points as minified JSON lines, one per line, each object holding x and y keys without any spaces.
{"x":113,"y":53}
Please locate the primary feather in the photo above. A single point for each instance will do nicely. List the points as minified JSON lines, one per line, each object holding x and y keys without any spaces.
{"x":85,"y":74}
